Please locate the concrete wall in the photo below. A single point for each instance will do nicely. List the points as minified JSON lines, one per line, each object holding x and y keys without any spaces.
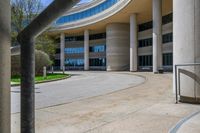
{"x":187,"y":44}
{"x":118,"y":44}
{"x":5,"y":66}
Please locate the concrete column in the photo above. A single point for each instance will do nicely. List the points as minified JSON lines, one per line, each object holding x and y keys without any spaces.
{"x":5,"y":66}
{"x":62,"y":50}
{"x":157,"y":35}
{"x":118,"y":47}
{"x":133,"y":42}
{"x":186,"y":46}
{"x":86,"y":50}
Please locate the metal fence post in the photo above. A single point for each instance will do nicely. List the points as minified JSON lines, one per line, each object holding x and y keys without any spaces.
{"x":27,"y":86}
{"x":176,"y":84}
{"x":179,"y":82}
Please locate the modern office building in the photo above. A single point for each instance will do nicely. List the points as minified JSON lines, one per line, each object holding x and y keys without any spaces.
{"x":134,"y":35}
{"x":116,"y":35}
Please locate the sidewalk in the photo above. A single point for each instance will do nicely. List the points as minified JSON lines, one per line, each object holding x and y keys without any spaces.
{"x":147,"y":108}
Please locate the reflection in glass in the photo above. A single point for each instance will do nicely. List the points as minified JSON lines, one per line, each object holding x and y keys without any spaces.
{"x":74,"y":62}
{"x":98,"y":48}
{"x":74,"y":50}
{"x":87,"y":13}
{"x":98,"y":62}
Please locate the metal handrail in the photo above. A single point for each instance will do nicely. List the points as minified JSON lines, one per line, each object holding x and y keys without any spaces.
{"x":177,"y":80}
{"x":26,"y":39}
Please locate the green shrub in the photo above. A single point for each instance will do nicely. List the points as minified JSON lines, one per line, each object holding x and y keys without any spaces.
{"x":41,"y":59}
{"x":15,"y":65}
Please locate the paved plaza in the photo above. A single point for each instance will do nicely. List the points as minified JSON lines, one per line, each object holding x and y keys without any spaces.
{"x":81,"y":85}
{"x":106,"y":102}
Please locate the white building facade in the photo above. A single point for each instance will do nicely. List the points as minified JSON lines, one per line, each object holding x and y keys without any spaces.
{"x":134,"y":35}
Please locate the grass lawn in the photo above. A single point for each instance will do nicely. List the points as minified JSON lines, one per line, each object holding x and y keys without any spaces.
{"x":15,"y":80}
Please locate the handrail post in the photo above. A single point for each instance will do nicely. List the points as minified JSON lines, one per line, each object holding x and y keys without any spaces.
{"x":176,"y":84}
{"x":179,"y":82}
{"x":26,"y":38}
{"x":27,"y":86}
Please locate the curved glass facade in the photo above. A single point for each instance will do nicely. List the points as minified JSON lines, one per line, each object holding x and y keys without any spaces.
{"x":97,"y":62}
{"x":74,"y":50}
{"x":149,"y":25}
{"x":74,"y":62}
{"x":86,"y":13}
{"x":98,"y":48}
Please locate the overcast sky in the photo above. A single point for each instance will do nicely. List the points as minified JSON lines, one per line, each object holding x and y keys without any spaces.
{"x":47,"y":2}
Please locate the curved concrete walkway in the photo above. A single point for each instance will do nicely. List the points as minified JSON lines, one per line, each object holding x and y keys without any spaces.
{"x":80,"y":86}
{"x":146,"y":108}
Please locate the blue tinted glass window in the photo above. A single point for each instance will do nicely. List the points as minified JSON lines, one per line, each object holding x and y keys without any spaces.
{"x":74,"y":62}
{"x":145,"y":42}
{"x":167,"y":19}
{"x":74,"y":50}
{"x":167,"y":59}
{"x":167,"y":38}
{"x":98,"y":36}
{"x":98,"y":48}
{"x":145,"y":60}
{"x":97,"y":62}
{"x":87,"y":13}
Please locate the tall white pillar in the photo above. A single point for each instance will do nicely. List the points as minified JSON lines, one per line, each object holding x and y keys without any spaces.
{"x":86,"y":50}
{"x":5,"y":66}
{"x":157,"y":35}
{"x":133,"y":42}
{"x":186,"y":46}
{"x":62,"y":50}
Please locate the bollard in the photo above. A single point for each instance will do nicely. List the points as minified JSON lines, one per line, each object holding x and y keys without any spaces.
{"x":52,"y":70}
{"x":63,"y":69}
{"x":44,"y":72}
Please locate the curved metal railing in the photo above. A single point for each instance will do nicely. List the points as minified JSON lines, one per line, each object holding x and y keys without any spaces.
{"x":190,"y":74}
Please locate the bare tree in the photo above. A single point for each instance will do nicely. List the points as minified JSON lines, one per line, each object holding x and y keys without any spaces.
{"x":22,"y":13}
